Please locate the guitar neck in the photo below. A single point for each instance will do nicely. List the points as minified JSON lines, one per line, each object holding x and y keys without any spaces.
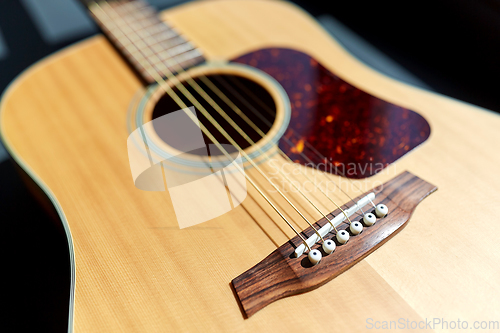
{"x":152,"y":47}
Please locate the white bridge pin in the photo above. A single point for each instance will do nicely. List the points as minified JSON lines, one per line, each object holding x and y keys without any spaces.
{"x":369,"y":219}
{"x":381,"y":210}
{"x":342,"y":236}
{"x":329,"y":246}
{"x":314,"y":257}
{"x":356,"y":227}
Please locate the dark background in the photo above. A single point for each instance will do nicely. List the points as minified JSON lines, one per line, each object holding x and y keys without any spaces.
{"x":448,"y":46}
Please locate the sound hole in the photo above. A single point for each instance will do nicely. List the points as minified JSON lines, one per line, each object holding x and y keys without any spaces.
{"x":248,"y":96}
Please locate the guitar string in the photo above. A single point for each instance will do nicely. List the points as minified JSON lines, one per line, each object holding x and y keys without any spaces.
{"x":251,"y":142}
{"x":243,"y":134}
{"x":162,"y":83}
{"x":269,"y":111}
{"x":207,"y":98}
{"x":221,"y":112}
{"x":222,"y":131}
{"x":311,"y":147}
{"x":281,"y":152}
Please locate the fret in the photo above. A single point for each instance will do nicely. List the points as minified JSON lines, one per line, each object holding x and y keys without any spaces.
{"x":185,"y":56}
{"x":157,"y":49}
{"x":178,"y":50}
{"x":159,"y":28}
{"x":145,"y":29}
{"x":144,"y":40}
{"x":138,"y":14}
{"x":141,"y":19}
{"x":164,"y":35}
{"x":172,"y":42}
{"x":196,"y":53}
{"x":186,"y":59}
{"x":179,"y":60}
{"x":191,"y":56}
{"x":116,"y":13}
{"x":147,"y":38}
{"x":134,"y":36}
{"x":122,"y":7}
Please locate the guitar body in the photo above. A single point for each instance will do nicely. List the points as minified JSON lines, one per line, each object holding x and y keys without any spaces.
{"x":65,"y":123}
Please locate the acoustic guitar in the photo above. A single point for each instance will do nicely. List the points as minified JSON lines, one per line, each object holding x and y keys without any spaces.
{"x":225,"y":166}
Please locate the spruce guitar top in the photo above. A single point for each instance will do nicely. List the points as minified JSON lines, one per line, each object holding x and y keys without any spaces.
{"x":227,"y":166}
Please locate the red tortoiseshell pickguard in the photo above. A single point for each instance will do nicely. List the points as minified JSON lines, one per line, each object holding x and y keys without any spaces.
{"x":358,"y":134}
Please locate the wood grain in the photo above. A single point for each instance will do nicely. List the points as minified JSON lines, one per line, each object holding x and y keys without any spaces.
{"x":65,"y":122}
{"x":281,"y":275}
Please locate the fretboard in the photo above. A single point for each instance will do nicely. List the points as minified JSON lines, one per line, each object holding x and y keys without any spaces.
{"x":151,"y":46}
